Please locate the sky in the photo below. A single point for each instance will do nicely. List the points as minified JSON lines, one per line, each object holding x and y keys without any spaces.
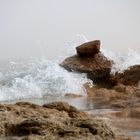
{"x":32,"y":28}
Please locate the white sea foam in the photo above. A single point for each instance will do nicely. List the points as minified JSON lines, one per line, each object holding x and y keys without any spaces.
{"x":39,"y":78}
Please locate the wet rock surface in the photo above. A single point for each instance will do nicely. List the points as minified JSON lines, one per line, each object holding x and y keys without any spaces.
{"x":57,"y":120}
{"x":123,"y":105}
{"x":118,"y":93}
{"x":98,"y":66}
{"x":130,"y":76}
{"x":89,"y":60}
{"x":119,"y":96}
{"x":88,"y":49}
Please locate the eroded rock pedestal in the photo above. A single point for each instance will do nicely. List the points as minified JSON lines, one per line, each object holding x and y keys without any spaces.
{"x":89,"y":60}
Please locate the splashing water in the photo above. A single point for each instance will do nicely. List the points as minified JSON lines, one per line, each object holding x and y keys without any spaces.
{"x":69,"y":47}
{"x":39,"y":78}
{"x":122,"y":61}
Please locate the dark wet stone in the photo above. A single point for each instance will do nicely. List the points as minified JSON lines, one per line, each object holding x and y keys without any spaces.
{"x":97,"y":66}
{"x":89,"y":48}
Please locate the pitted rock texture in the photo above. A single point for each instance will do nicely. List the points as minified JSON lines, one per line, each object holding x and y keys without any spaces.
{"x":53,"y":121}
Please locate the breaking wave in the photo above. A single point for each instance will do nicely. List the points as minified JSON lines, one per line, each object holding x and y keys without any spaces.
{"x":39,"y":78}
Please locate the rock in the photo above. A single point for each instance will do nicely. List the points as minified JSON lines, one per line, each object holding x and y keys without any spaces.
{"x":130,"y":90}
{"x":122,"y":104}
{"x":90,"y":60}
{"x":97,"y":66}
{"x":53,"y":121}
{"x":104,"y":93}
{"x":88,"y":49}
{"x":32,"y":126}
{"x":135,"y":112}
{"x":137,"y":92}
{"x":124,"y":138}
{"x":120,"y":96}
{"x":129,"y":112}
{"x":138,"y":85}
{"x":120,"y":88}
{"x":131,"y":76}
{"x":61,"y":106}
{"x":126,"y":89}
{"x":95,"y":127}
{"x":100,"y":93}
{"x":71,"y":95}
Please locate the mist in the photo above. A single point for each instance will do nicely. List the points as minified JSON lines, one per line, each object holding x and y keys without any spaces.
{"x":36,"y":28}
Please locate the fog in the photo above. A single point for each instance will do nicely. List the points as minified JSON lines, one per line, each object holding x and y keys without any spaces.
{"x":42,"y":27}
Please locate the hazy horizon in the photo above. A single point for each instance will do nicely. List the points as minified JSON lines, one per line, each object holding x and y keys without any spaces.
{"x":42,"y":27}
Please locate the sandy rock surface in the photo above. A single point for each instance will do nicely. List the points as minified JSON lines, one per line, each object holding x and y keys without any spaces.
{"x":53,"y":121}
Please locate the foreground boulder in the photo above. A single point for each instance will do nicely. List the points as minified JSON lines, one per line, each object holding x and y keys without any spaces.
{"x":98,"y":66}
{"x":88,"y":49}
{"x":53,"y":121}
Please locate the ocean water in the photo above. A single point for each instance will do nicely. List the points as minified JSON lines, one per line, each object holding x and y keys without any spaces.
{"x":39,"y":78}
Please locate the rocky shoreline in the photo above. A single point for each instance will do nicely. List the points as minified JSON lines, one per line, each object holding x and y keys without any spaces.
{"x":56,"y":120}
{"x":120,"y":90}
{"x":59,"y":120}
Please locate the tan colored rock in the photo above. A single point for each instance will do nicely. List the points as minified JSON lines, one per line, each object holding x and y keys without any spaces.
{"x":124,"y":138}
{"x":53,"y":121}
{"x":138,"y":85}
{"x":107,"y":94}
{"x":61,"y":106}
{"x":137,"y":92}
{"x":131,"y":112}
{"x":120,"y":88}
{"x":130,"y":90}
{"x":135,"y":112}
{"x":100,"y":93}
{"x":71,"y":95}
{"x":120,"y":103}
